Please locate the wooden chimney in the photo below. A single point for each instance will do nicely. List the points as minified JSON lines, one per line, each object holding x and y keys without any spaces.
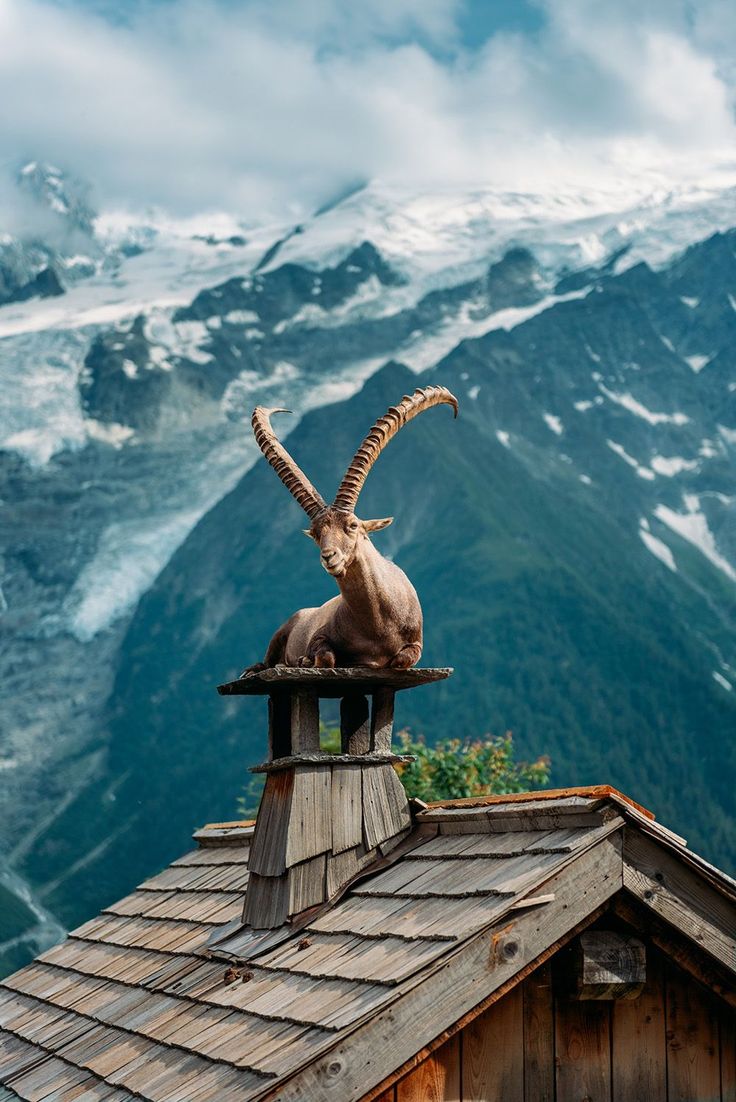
{"x":323,"y":817}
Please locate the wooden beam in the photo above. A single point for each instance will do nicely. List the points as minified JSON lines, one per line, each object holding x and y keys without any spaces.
{"x":676,"y":945}
{"x":539,"y":1036}
{"x":460,"y":984}
{"x":605,"y":964}
{"x":674,"y":891}
{"x":279,"y":727}
{"x":304,"y":723}
{"x":382,"y":720}
{"x":354,"y":724}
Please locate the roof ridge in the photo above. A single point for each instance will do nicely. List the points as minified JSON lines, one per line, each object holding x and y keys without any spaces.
{"x":591,"y":791}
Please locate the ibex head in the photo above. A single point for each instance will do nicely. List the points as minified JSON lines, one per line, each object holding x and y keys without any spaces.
{"x":336,"y":528}
{"x":338,"y":535}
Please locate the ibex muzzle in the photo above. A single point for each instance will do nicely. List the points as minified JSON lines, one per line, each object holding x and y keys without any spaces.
{"x":376,"y":620}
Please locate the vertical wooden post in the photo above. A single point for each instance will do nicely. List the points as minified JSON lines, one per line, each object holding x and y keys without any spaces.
{"x":279,"y":726}
{"x":304,"y":723}
{"x":382,"y":720}
{"x":354,"y":724}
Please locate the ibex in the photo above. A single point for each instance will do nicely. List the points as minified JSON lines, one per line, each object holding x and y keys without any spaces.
{"x":377,"y":619}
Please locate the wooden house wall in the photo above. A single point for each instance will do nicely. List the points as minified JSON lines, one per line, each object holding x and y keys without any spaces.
{"x":675,"y":1043}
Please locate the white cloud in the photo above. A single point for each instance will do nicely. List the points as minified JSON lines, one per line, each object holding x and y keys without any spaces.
{"x":270,"y":106}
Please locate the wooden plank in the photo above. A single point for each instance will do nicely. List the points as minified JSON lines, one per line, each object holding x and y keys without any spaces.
{"x":437,"y":1079}
{"x":606,"y":964}
{"x":347,"y":807}
{"x":268,"y":850}
{"x":474,"y":823}
{"x":267,"y":901}
{"x":310,"y":823}
{"x":465,"y":846}
{"x":639,"y":1045}
{"x":479,"y":876}
{"x":342,"y":867}
{"x":728,"y":1054}
{"x":382,"y":720}
{"x":670,"y":888}
{"x":493,"y":1052}
{"x":693,"y":1064}
{"x":279,"y":727}
{"x":304,"y":723}
{"x":376,"y":916}
{"x":307,"y":884}
{"x":385,"y":806}
{"x":460,"y":984}
{"x":355,"y":731}
{"x":539,"y":1036}
{"x":583,"y":1050}
{"x":386,"y":960}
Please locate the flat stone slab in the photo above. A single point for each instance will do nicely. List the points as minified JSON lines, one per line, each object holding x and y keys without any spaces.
{"x":337,"y":682}
{"x":360,"y":760}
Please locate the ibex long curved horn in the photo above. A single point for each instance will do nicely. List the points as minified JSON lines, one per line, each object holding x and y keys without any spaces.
{"x":384,"y":430}
{"x":292,"y":476}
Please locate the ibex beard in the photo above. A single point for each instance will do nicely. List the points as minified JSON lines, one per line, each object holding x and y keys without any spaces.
{"x":376,"y":620}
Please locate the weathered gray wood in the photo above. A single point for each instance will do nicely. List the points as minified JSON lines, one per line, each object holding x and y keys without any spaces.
{"x":307,"y":884}
{"x":482,"y":823}
{"x":268,"y":849}
{"x":355,"y":735}
{"x":347,"y":807}
{"x":266,"y":901}
{"x":607,"y":965}
{"x":674,"y":891}
{"x":217,"y":835}
{"x":310,"y":821}
{"x":382,"y":720}
{"x":279,"y":727}
{"x":385,"y":806}
{"x":463,"y":980}
{"x":330,"y":682}
{"x":304,"y":723}
{"x":342,"y":867}
{"x":539,"y":1036}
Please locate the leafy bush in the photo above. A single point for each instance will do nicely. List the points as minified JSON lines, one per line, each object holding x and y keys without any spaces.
{"x":454,"y":768}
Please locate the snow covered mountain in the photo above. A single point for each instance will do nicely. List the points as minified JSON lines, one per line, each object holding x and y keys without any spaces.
{"x":589,"y":339}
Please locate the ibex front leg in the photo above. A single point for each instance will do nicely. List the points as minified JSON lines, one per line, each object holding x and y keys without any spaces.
{"x":319,"y":653}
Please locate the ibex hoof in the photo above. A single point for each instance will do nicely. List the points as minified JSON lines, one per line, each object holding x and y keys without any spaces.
{"x":406,"y":658}
{"x":255,"y":668}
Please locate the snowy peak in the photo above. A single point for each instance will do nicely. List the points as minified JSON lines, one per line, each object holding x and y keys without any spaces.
{"x":63,"y":195}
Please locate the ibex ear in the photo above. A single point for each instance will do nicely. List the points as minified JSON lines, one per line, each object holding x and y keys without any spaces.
{"x":308,"y":532}
{"x":377,"y":525}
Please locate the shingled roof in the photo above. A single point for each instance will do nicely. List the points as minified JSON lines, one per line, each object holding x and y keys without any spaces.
{"x":165,"y":997}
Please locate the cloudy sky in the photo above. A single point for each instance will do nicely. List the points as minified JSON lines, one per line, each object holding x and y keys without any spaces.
{"x":275,"y":105}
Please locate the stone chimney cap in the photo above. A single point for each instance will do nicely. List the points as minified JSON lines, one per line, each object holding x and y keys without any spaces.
{"x":337,"y":682}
